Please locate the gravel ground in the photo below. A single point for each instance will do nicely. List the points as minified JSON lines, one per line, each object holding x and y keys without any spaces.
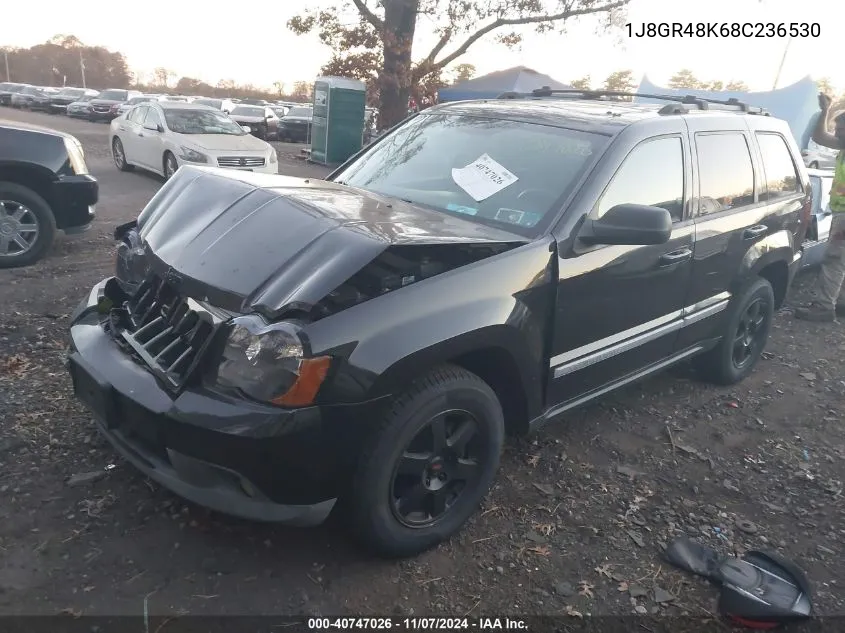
{"x":574,"y":526}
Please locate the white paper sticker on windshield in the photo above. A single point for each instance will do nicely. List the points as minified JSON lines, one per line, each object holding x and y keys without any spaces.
{"x":482,"y":178}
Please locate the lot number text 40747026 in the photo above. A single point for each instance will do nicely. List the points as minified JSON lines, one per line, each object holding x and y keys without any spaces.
{"x":418,"y":624}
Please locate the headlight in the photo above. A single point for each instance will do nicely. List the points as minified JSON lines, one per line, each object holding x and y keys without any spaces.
{"x":192,"y":155}
{"x":268,"y":363}
{"x":273,"y":158}
{"x":76,"y":156}
{"x":131,"y":266}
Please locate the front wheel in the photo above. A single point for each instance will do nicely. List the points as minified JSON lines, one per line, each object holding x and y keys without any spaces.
{"x":428,"y":464}
{"x":744,"y":339}
{"x":119,"y":155}
{"x":27,"y":225}
{"x":170,"y":165}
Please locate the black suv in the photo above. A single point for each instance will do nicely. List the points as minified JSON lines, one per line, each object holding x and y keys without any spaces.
{"x":481,"y":269}
{"x":44,"y":186}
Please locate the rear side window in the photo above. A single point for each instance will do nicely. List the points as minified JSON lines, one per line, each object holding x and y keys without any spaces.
{"x":726,"y":174}
{"x":652,"y":175}
{"x":137,"y":114}
{"x":781,"y":176}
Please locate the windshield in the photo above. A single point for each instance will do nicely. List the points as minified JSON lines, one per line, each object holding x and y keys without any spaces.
{"x":214,"y":103}
{"x":503,"y":173}
{"x":300,"y":112}
{"x":200,"y":122}
{"x":248,"y":111}
{"x":18,"y":87}
{"x":71,"y":92}
{"x":113,"y":95}
{"x":821,"y":192}
{"x":87,"y":98}
{"x":31,"y":90}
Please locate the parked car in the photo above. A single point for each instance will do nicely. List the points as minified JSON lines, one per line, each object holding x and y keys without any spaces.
{"x":224,"y":105}
{"x":275,"y":344}
{"x":64,"y":97}
{"x":7,"y":90}
{"x":44,"y":187}
{"x":261,"y":120}
{"x":163,"y":136}
{"x":123,"y":108}
{"x":818,"y":232}
{"x":296,"y":125}
{"x":107,"y":104}
{"x":176,"y":98}
{"x":40,"y":101}
{"x":24,"y":97}
{"x":81,"y":109}
{"x":280,"y":110}
{"x":819,"y":157}
{"x":256,"y":102}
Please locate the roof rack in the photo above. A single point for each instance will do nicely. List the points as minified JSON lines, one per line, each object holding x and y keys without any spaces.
{"x":678,"y":106}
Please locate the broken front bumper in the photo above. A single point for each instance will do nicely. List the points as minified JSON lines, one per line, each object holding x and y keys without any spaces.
{"x":234,"y":456}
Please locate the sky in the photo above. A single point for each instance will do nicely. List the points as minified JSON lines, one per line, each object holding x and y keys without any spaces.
{"x":209,"y":42}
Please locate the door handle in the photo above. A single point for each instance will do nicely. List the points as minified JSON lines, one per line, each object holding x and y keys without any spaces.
{"x":121,"y":128}
{"x":141,"y":134}
{"x":676,"y":257}
{"x":754,"y":232}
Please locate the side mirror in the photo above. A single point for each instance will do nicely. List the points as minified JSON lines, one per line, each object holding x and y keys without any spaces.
{"x":629,"y":224}
{"x":154,"y":128}
{"x":246,"y":129}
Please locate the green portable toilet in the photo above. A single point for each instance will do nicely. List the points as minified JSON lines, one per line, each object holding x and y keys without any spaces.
{"x":337,"y":126}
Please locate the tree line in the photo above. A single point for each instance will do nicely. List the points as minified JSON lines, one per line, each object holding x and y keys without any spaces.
{"x":64,"y":60}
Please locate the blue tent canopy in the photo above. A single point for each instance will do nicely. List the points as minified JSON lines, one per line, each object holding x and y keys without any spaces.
{"x":517,"y":79}
{"x":797,"y":104}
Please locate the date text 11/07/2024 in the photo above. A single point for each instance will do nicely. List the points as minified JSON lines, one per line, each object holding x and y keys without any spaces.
{"x":724,"y":29}
{"x":417,"y":624}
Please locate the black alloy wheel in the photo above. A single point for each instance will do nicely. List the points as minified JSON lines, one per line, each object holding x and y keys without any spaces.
{"x":750,"y":333}
{"x":437,"y":467}
{"x":746,"y":331}
{"x":426,"y":463}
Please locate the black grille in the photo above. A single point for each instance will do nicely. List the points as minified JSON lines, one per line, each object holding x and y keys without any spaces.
{"x":167,"y":331}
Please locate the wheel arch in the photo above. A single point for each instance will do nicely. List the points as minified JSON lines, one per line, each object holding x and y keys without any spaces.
{"x":506,"y":366}
{"x":769,"y":258}
{"x":36,"y":177}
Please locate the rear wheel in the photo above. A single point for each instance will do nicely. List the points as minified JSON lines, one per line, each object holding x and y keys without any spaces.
{"x":427,"y":465}
{"x":746,"y":333}
{"x":27,"y":226}
{"x":119,"y":156}
{"x":814,"y":165}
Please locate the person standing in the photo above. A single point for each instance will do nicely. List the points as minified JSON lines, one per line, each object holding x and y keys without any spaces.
{"x":829,"y":300}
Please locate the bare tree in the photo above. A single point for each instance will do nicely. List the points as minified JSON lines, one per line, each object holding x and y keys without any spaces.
{"x":390,"y":25}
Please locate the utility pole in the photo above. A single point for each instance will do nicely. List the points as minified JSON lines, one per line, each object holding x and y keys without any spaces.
{"x":6,"y":55}
{"x":82,"y":68}
{"x":782,"y":60}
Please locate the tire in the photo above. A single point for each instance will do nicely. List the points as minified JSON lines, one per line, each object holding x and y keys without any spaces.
{"x":37,"y":212}
{"x":457,"y":397}
{"x":719,"y":365}
{"x":166,"y":165}
{"x":119,"y":155}
{"x":814,"y":165}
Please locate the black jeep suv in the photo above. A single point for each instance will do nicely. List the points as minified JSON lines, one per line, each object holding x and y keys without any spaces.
{"x":270,"y":345}
{"x":44,"y":186}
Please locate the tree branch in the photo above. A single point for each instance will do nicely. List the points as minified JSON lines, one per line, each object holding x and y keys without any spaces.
{"x":533,"y":19}
{"x":444,"y":39}
{"x":368,"y":15}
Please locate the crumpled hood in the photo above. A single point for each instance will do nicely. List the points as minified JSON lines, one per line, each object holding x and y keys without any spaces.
{"x":247,"y":241}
